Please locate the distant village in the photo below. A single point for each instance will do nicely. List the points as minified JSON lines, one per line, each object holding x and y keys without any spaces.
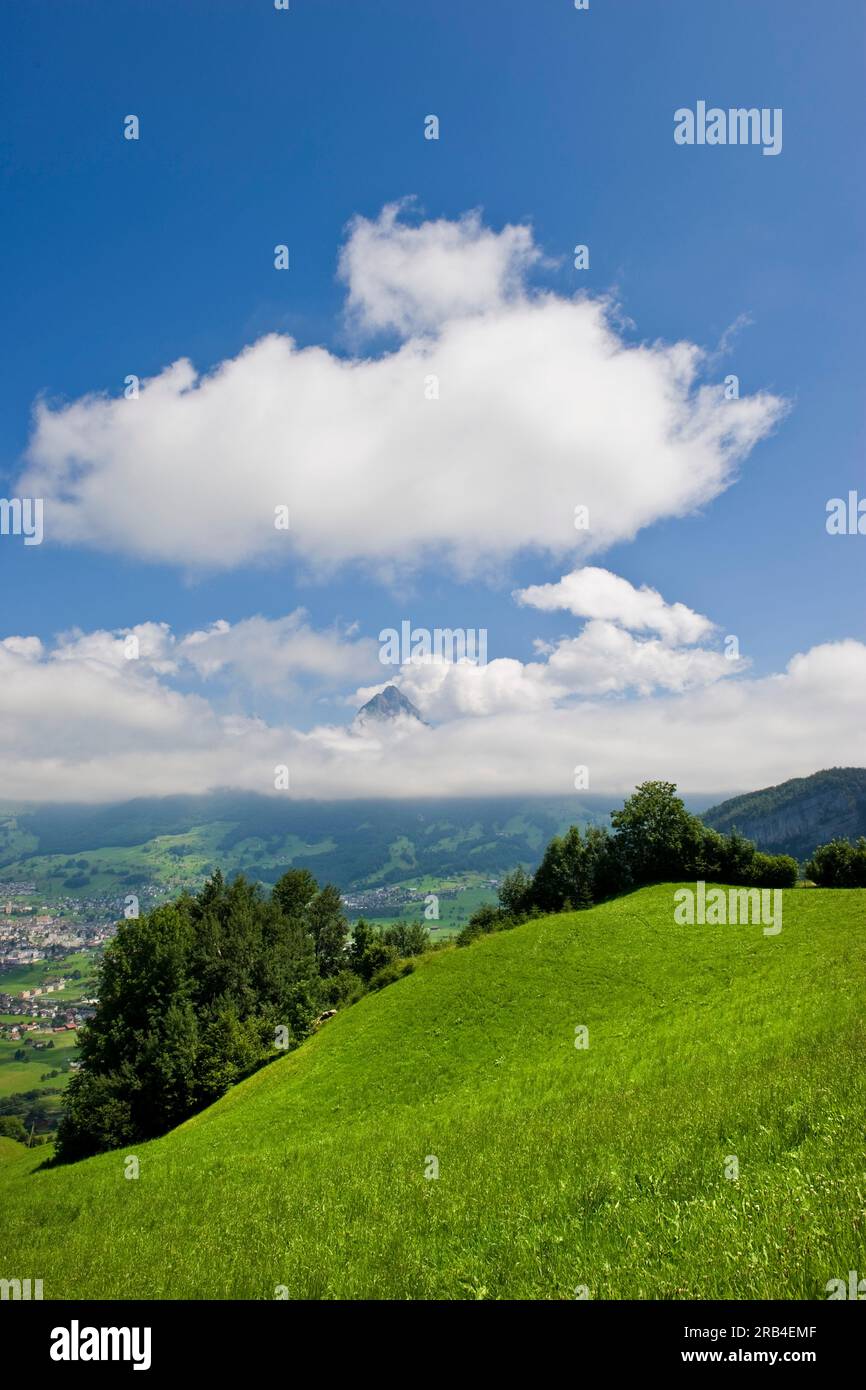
{"x":395,"y":899}
{"x":29,"y":935}
{"x":81,"y":909}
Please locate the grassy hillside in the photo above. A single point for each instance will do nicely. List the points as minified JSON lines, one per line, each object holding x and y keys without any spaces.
{"x":558,"y":1166}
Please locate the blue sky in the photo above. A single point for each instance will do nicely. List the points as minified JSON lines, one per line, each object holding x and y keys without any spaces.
{"x":260,"y":127}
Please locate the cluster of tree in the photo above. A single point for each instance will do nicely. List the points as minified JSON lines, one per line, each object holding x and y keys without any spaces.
{"x":20,"y":1053}
{"x":653,"y":839}
{"x":202,"y":991}
{"x":29,"y":1109}
{"x":13,"y":1127}
{"x":839,"y":864}
{"x":19,"y":1100}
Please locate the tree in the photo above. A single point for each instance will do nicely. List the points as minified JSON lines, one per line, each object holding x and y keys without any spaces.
{"x":606,"y":871}
{"x":655,"y":833}
{"x":98,"y":1116}
{"x":737,"y":858}
{"x":190,"y":996}
{"x":174,"y":1067}
{"x":408,"y":938}
{"x":577,"y":870}
{"x":515,"y":892}
{"x":839,"y":864}
{"x":328,"y":927}
{"x":12,"y":1127}
{"x":294,"y":892}
{"x":550,"y":884}
{"x":574,"y":871}
{"x":288,"y":976}
{"x":774,"y":871}
{"x":369,"y":952}
{"x":484,"y":919}
{"x":231,"y":1048}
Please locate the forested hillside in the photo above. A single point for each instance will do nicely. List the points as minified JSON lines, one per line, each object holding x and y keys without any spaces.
{"x":796,"y":816}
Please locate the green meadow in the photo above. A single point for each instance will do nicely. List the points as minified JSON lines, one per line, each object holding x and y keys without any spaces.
{"x":10,"y":1148}
{"x":35,"y":976}
{"x":26,"y":1076}
{"x":608,"y":1167}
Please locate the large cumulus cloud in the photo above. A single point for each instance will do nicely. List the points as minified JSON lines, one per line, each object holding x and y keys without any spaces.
{"x":542,"y":407}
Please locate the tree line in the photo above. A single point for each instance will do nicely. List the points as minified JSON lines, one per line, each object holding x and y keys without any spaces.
{"x":200,"y":992}
{"x":653,"y":839}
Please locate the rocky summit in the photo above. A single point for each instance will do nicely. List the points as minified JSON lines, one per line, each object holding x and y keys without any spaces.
{"x":389,"y":704}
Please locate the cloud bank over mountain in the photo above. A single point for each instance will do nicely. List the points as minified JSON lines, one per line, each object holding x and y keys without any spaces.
{"x":79,"y":721}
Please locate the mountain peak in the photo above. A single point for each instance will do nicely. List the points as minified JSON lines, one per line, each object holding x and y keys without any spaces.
{"x":389,"y":704}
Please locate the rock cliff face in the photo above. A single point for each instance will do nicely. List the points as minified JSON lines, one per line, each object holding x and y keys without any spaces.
{"x":796,"y":816}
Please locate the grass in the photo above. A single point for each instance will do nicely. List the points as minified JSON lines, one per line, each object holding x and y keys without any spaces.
{"x":21,"y":977}
{"x":558,"y":1166}
{"x":25,"y":1076}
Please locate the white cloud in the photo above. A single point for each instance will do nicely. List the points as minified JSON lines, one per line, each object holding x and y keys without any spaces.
{"x":602,"y":660}
{"x":414,"y":279}
{"x":154,"y":647}
{"x":28,"y":647}
{"x":276,"y":651}
{"x":542,"y":407}
{"x":605,"y":659}
{"x":75,"y":728}
{"x":444,"y":690}
{"x":597,"y":593}
{"x":258,"y":652}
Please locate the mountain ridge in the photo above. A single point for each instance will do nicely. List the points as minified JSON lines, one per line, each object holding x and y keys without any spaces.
{"x":796,"y":816}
